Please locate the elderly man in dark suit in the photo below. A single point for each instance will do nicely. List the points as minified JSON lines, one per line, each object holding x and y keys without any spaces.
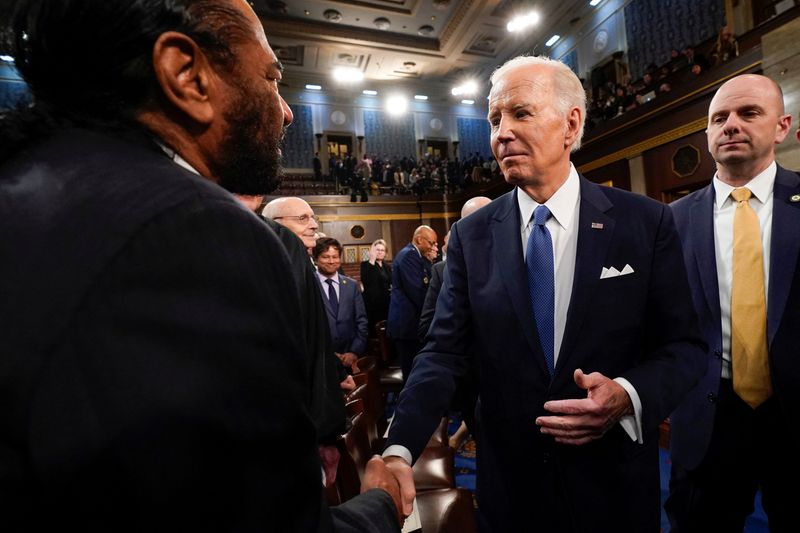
{"x":572,"y":301}
{"x":344,"y":305}
{"x":154,"y":374}
{"x":411,"y":274}
{"x":741,"y":242}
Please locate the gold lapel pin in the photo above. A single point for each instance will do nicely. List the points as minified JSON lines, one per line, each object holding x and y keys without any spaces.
{"x":795,"y":198}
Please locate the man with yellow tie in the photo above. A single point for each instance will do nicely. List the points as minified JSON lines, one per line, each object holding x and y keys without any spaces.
{"x":738,"y":429}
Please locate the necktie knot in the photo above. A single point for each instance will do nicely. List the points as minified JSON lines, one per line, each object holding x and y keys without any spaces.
{"x":741,"y":195}
{"x":329,"y":282}
{"x":541,"y":215}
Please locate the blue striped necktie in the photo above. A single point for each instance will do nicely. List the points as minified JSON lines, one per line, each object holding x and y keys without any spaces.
{"x":332,"y":297}
{"x":541,"y":282}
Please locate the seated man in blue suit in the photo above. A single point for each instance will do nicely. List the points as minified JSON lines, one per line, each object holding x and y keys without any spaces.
{"x":741,"y":243}
{"x":572,"y":302}
{"x":344,"y":304}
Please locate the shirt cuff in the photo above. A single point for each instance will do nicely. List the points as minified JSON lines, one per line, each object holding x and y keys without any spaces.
{"x":399,"y":451}
{"x":632,"y":424}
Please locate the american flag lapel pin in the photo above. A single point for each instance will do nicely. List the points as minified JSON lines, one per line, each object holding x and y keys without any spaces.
{"x":597,"y":225}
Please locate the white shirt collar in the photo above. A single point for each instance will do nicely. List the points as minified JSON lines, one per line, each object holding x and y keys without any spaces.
{"x":323,"y":277}
{"x":761,"y":186}
{"x":561,"y":204}
{"x":175,"y":156}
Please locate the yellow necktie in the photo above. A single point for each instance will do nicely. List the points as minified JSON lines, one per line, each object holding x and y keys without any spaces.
{"x":749,"y":354}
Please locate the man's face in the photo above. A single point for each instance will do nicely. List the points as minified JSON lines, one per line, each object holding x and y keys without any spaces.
{"x":328,"y":262}
{"x":426,"y":241}
{"x":528,"y":132}
{"x":249,"y":154}
{"x":745,"y":122}
{"x":298,"y":216}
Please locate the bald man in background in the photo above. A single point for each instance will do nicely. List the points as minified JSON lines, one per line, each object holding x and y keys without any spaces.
{"x":411,"y":275}
{"x":737,"y":431}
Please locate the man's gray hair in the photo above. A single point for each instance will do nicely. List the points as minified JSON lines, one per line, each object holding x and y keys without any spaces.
{"x":568,"y":91}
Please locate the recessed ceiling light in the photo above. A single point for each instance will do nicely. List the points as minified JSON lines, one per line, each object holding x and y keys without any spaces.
{"x":468,"y":102}
{"x":469,"y":87}
{"x":523,"y":22}
{"x":347,"y":74}
{"x":594,"y":2}
{"x":369,"y":92}
{"x":420,"y":97}
{"x":552,"y":40}
{"x":311,"y":87}
{"x":396,"y":105}
{"x":7,"y":59}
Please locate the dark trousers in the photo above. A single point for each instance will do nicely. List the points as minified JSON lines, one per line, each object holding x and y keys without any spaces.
{"x":406,"y":350}
{"x":748,"y":449}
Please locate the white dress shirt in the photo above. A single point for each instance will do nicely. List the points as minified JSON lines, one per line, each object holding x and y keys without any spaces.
{"x":724,"y":209}
{"x":563,"y":228}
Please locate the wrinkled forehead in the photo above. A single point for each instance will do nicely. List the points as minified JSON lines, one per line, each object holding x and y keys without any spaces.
{"x":520,"y":84}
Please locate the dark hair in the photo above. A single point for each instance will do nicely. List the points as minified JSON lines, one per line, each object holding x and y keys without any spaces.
{"x":323,"y":243}
{"x":89,"y":62}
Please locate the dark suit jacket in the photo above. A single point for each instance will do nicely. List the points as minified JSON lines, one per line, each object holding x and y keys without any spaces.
{"x":639,"y":326}
{"x":692,"y":422}
{"x":432,"y":294}
{"x":349,"y":326}
{"x":410,"y":278}
{"x":154,"y":375}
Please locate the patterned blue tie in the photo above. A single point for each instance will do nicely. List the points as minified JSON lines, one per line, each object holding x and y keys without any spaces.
{"x":541,"y":281}
{"x":332,"y":297}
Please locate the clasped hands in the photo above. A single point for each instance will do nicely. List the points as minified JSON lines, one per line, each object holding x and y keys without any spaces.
{"x":580,"y":421}
{"x":393,"y":475}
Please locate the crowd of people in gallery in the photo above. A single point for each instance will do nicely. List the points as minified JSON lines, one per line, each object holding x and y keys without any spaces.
{"x":612,"y":100}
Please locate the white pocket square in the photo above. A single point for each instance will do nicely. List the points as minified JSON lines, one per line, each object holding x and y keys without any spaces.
{"x":612,"y":272}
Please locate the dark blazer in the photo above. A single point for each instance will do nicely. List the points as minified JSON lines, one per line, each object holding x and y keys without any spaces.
{"x":377,"y":282}
{"x":432,"y":294}
{"x":639,"y":326}
{"x":410,"y":278}
{"x":154,"y":375}
{"x":349,"y":326}
{"x":692,"y":422}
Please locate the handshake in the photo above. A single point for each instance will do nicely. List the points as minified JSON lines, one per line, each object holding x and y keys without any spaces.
{"x":392,"y":474}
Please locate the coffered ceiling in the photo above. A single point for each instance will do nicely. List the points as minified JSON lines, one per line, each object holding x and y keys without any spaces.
{"x":420,"y":43}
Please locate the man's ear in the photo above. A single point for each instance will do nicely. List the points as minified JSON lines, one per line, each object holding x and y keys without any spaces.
{"x":573,"y":129}
{"x":184,"y":75}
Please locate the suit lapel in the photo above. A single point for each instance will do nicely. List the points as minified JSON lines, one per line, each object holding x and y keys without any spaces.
{"x":785,"y":246}
{"x":701,"y":229}
{"x":509,"y":261}
{"x":591,"y":253}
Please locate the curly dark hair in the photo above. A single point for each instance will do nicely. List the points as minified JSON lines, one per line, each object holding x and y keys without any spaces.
{"x":89,"y":62}
{"x":323,"y":243}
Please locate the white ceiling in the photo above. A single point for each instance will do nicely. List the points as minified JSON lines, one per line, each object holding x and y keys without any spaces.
{"x":430,"y":44}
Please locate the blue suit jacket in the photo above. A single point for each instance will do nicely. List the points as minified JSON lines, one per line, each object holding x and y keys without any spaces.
{"x":639,"y":326}
{"x":692,"y":422}
{"x":349,"y":327}
{"x":410,"y":277}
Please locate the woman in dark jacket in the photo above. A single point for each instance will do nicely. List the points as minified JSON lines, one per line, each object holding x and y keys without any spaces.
{"x":376,"y":276}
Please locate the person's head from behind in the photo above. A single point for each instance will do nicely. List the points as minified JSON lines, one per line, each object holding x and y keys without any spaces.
{"x":473,"y":204}
{"x":198,"y":75}
{"x":746,"y":120}
{"x":537,"y":109}
{"x":295,"y":214}
{"x":328,"y":256}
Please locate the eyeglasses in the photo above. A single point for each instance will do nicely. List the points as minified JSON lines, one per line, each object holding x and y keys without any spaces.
{"x":432,"y":243}
{"x":303,"y":219}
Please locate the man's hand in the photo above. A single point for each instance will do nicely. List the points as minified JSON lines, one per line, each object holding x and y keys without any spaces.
{"x":348,"y":384}
{"x":585,"y":420}
{"x":431,"y":254}
{"x":348,"y":359}
{"x":405,"y":477}
{"x":329,"y":457}
{"x":378,"y":476}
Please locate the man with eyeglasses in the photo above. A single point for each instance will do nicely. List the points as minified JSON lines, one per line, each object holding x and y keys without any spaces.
{"x":411,"y":273}
{"x":297,"y":215}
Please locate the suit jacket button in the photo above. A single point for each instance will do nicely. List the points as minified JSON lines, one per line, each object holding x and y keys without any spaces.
{"x":712,"y":398}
